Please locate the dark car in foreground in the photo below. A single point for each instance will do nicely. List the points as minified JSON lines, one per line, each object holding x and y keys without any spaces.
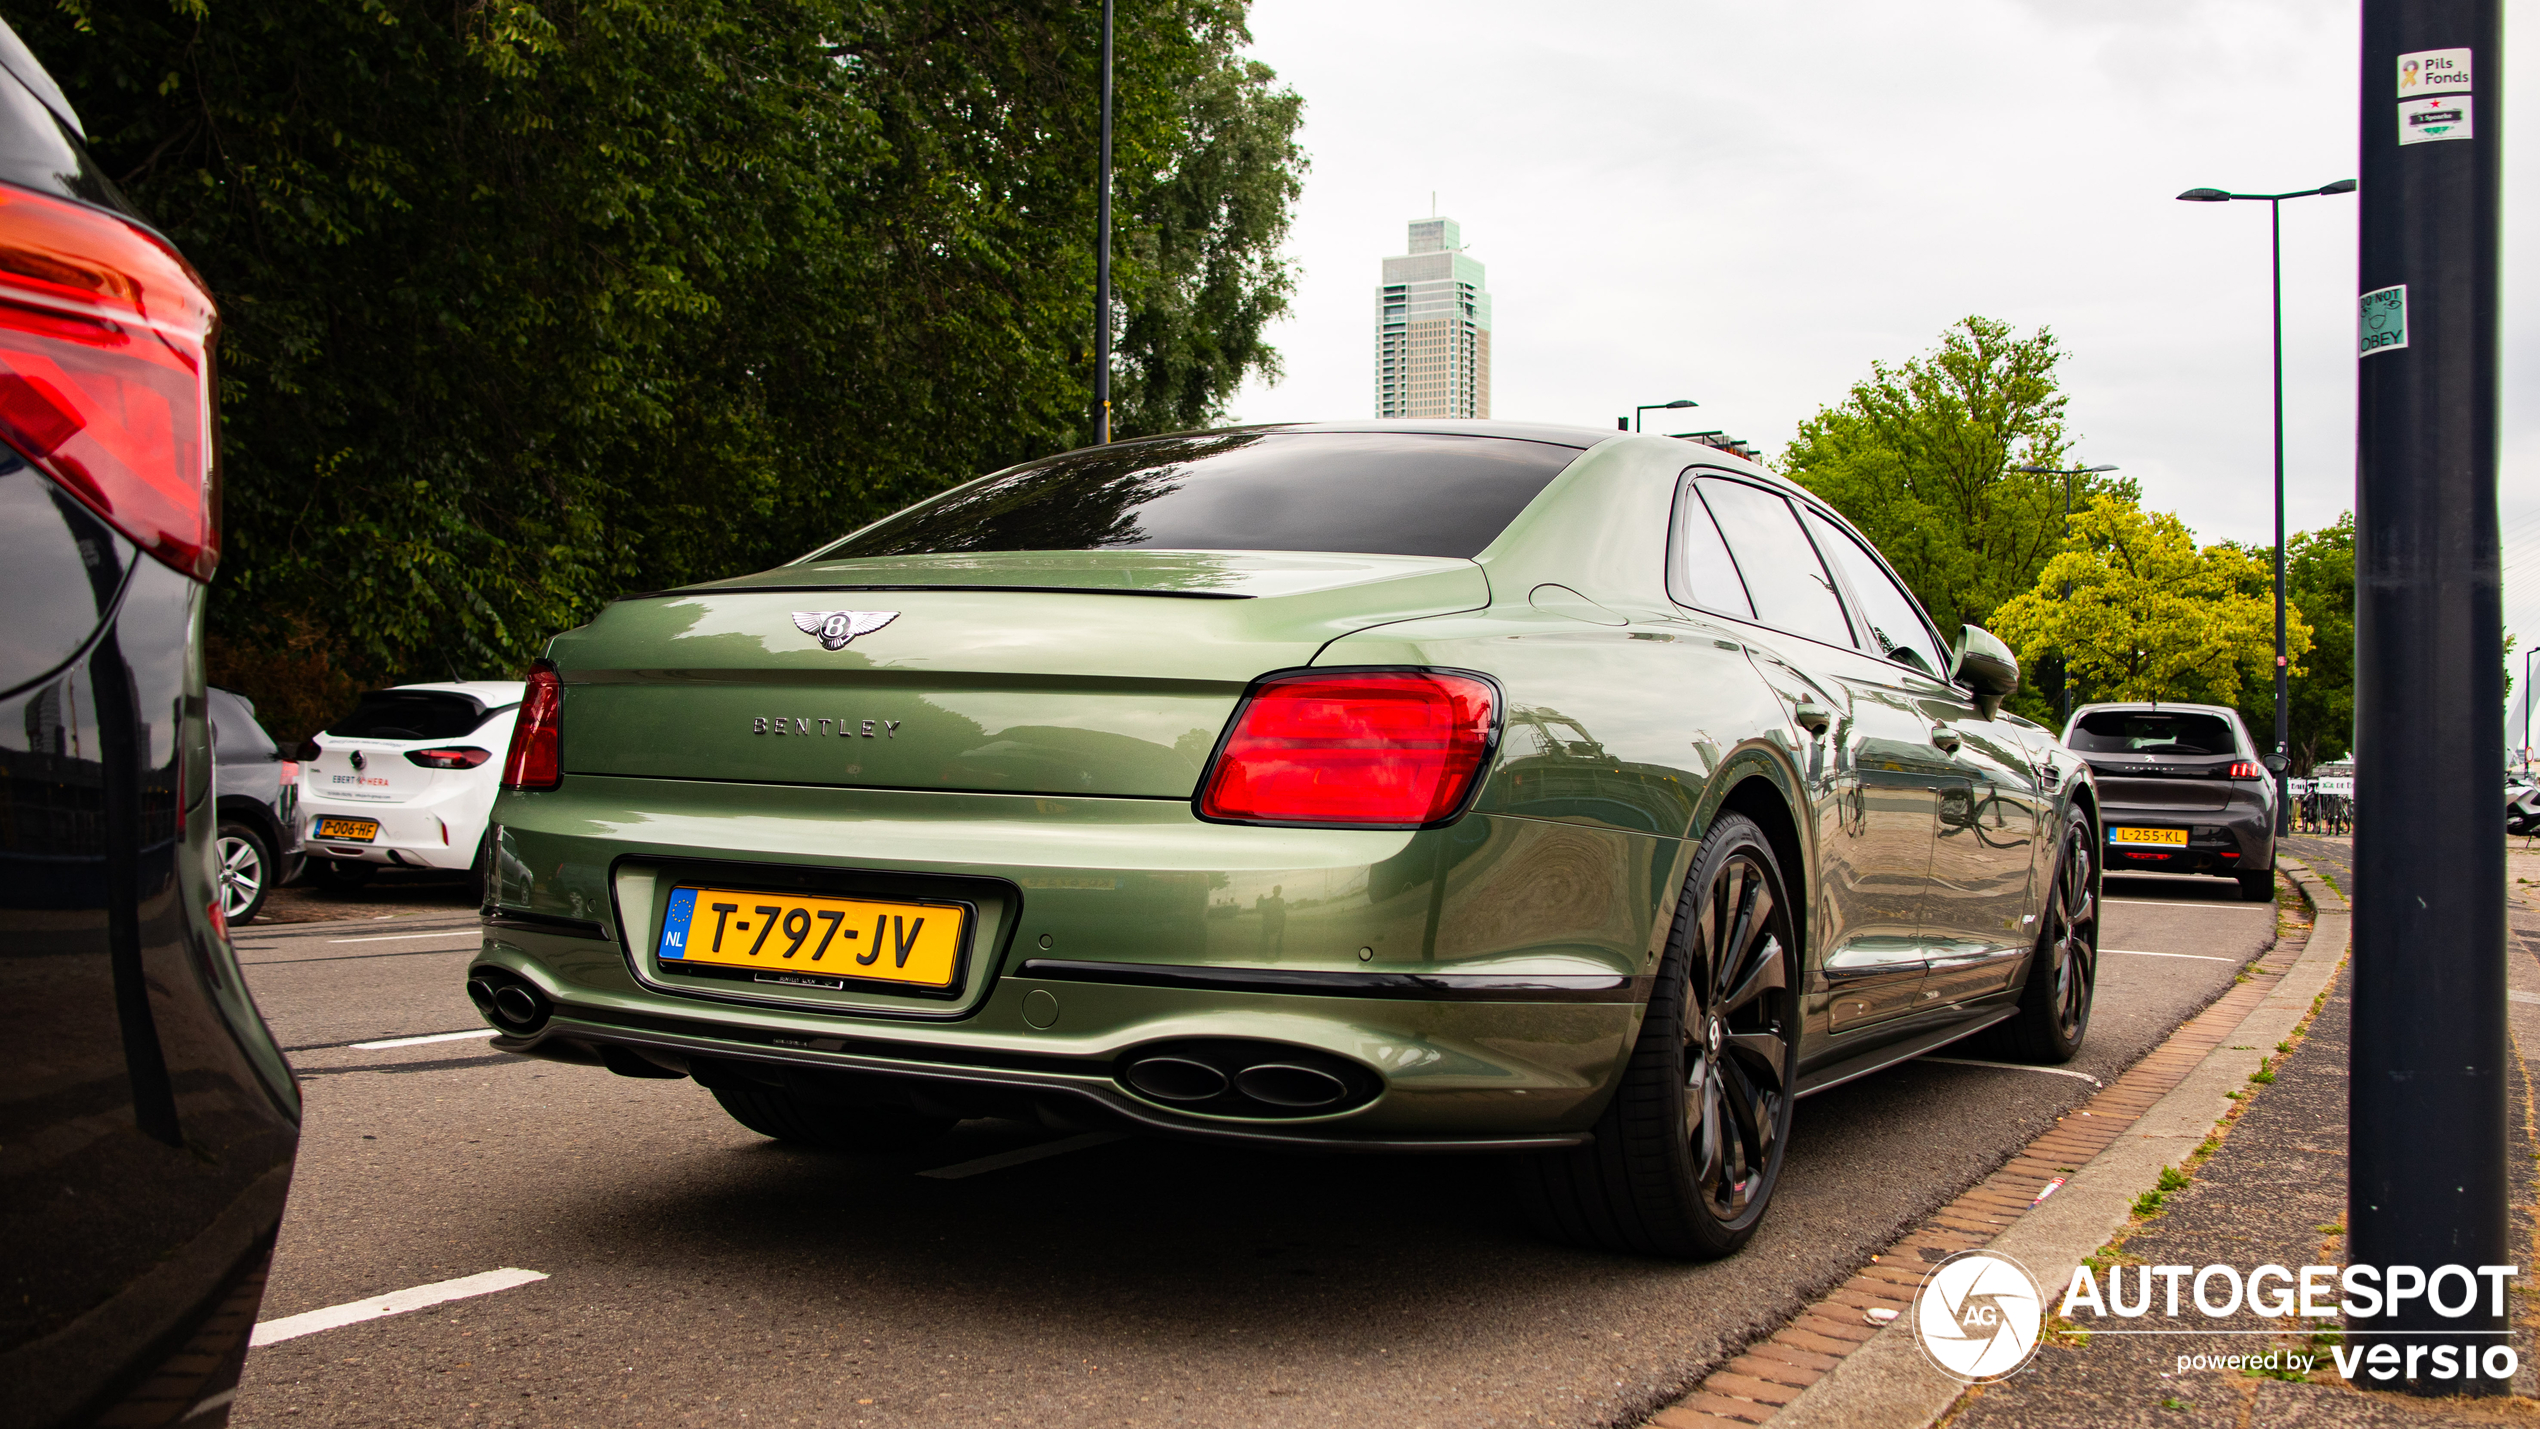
{"x":147,"y":1121}
{"x":1585,"y":797}
{"x":2184,"y":791}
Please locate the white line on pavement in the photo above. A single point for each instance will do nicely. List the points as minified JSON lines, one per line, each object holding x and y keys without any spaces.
{"x":2523,"y":996}
{"x":2217,"y":901}
{"x":291,"y":1327}
{"x":2018,"y":1067}
{"x":419,"y":1041}
{"x":1003,"y":1159}
{"x":2138,"y":953}
{"x":409,"y":937}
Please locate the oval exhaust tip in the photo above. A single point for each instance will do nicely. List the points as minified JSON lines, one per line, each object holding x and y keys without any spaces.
{"x":481,"y":992}
{"x":516,"y":1005}
{"x":1288,"y":1085}
{"x":1177,"y":1079}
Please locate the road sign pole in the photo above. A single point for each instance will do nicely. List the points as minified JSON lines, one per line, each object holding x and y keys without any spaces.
{"x":2427,"y":1095}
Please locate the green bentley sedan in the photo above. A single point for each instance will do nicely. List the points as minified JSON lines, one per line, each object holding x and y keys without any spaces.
{"x":1385,"y":786}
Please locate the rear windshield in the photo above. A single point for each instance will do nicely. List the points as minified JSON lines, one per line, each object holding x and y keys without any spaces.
{"x":2152,"y":732}
{"x":1367,"y":493}
{"x":411,"y":714}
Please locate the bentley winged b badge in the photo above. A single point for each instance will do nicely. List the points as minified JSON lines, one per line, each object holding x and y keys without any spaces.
{"x":836,"y":627}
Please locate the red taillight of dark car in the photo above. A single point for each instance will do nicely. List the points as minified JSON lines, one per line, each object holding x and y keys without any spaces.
{"x":2246,"y":770}
{"x":534,"y":762}
{"x":1373,"y":749}
{"x":105,"y":373}
{"x":454,"y":758}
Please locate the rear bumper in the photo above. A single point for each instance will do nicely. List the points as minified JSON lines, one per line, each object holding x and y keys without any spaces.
{"x":2224,"y":842}
{"x":438,"y":833}
{"x":1495,"y":1017}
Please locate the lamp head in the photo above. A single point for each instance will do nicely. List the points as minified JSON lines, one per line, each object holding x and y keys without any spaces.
{"x":2204,"y":196}
{"x":2091,"y":470}
{"x":1680,"y":402}
{"x":2342,"y":186}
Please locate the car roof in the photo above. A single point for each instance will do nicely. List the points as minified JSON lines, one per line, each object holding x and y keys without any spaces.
{"x":492,"y":692}
{"x":2156,"y":706}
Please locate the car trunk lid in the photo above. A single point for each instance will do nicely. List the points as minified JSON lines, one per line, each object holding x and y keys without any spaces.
{"x":1078,"y":673}
{"x":2164,"y":781}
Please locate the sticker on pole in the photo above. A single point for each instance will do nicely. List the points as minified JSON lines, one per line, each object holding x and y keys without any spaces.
{"x":2441,"y":116}
{"x":2381,"y":320}
{"x":2424,"y":72}
{"x":1978,"y":1315}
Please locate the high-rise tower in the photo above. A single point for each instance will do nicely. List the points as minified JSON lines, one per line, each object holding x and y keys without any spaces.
{"x":1433,"y":328}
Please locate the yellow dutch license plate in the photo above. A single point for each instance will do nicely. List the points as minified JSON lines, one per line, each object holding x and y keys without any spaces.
{"x":2148,"y":836}
{"x":350,"y":830}
{"x":805,"y":936}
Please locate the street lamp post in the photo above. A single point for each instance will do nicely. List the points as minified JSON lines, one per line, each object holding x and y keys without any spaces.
{"x":2068,"y":476}
{"x":2526,"y":707}
{"x":2278,"y":761}
{"x":1656,"y":407}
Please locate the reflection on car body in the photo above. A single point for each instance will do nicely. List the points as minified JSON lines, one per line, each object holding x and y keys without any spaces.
{"x":1381,"y":786}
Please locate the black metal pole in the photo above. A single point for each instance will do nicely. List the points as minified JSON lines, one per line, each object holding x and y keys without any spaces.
{"x":2429,"y":1061}
{"x":2063,"y":666}
{"x":1102,"y":252}
{"x":2283,"y":707}
{"x":2526,"y":709}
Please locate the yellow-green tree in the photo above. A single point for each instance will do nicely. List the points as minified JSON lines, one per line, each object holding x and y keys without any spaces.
{"x":2151,"y":615}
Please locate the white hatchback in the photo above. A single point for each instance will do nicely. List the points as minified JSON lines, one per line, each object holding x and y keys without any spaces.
{"x":407,"y":779}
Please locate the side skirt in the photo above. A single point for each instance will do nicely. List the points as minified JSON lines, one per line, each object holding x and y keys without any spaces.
{"x":1879,"y":1059}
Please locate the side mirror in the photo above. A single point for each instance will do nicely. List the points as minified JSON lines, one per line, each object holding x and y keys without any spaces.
{"x":2277,"y":764}
{"x":1985,"y":667}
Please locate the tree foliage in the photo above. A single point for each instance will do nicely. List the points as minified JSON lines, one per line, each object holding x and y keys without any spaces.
{"x":2319,"y":581}
{"x":2150,"y":615}
{"x":1920,"y":457}
{"x":530,"y":302}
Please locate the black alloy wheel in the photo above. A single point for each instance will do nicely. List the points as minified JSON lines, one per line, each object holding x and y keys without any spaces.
{"x":1687,"y":1154}
{"x":2063,"y":972}
{"x":244,"y":864}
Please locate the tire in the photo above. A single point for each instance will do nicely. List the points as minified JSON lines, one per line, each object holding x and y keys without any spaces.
{"x":343,"y":874}
{"x":244,"y":865}
{"x":828,"y":1126}
{"x":2257,"y":887}
{"x":1690,"y":1148}
{"x":2063,"y":971}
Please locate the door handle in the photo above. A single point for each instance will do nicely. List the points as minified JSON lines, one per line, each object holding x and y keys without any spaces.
{"x":1946,"y":738}
{"x":1811,"y":716}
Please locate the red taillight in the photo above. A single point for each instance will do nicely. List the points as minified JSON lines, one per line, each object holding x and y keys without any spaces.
{"x":2246,"y":770}
{"x":459,"y":757}
{"x":290,"y":771}
{"x":1389,"y":749}
{"x":534,"y":762}
{"x":105,"y":373}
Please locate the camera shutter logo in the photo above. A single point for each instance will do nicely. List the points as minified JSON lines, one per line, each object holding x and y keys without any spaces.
{"x":1978,"y":1315}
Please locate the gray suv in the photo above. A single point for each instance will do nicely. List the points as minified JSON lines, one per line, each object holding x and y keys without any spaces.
{"x":2182,"y":790}
{"x":256,"y":789}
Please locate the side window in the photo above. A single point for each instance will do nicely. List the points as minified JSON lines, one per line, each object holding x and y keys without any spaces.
{"x":1788,"y":583}
{"x":1705,"y":576}
{"x":1893,"y":617}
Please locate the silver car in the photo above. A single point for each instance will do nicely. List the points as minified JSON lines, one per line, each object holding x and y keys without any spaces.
{"x":256,"y":786}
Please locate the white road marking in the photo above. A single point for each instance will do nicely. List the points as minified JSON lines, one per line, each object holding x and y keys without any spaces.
{"x":2523,"y":996}
{"x":1003,"y":1159}
{"x":408,"y":937}
{"x":2018,"y":1067}
{"x":2138,"y":953}
{"x":419,"y":1041}
{"x":291,"y":1327}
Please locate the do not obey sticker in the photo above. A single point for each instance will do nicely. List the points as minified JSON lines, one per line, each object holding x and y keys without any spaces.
{"x":2381,"y":320}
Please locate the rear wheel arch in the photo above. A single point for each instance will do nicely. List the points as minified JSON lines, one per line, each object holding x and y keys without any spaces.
{"x":1760,"y":799}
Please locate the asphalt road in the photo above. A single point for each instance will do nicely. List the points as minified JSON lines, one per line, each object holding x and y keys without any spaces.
{"x":700,"y":1274}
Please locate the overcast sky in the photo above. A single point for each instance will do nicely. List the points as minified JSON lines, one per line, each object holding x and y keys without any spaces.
{"x":1747,"y":204}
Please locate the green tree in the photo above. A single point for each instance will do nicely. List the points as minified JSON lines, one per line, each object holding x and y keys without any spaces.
{"x":1920,"y":457}
{"x":2319,"y":581}
{"x":2150,"y":616}
{"x":530,"y":302}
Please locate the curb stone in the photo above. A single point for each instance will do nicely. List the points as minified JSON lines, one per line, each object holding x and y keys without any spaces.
{"x":2153,"y":1116}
